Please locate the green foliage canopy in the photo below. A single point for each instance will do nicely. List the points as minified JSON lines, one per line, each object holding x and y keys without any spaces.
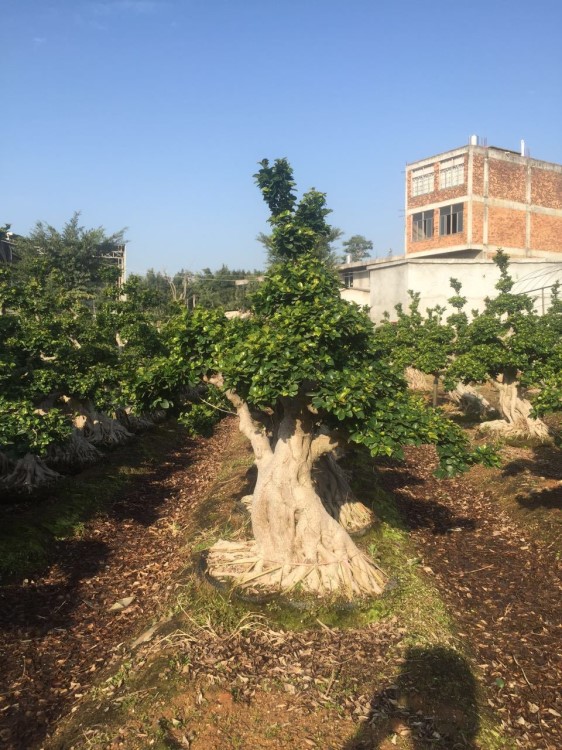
{"x":510,"y":339}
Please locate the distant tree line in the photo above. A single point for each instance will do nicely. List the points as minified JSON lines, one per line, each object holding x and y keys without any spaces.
{"x":211,"y":289}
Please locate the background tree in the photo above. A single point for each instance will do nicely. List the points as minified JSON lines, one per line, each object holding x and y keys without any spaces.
{"x":214,"y":289}
{"x":514,"y":347}
{"x":73,"y":259}
{"x":356,"y":248}
{"x":71,"y":343}
{"x":209,"y":289}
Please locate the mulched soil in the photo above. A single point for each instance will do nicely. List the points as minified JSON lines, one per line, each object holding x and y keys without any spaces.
{"x":313,"y":673}
{"x":503,"y":583}
{"x":57,"y":631}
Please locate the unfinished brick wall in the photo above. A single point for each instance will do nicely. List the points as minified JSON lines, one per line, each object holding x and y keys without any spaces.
{"x":507,"y":180}
{"x":477,"y":223}
{"x":506,"y":227}
{"x":477,"y":174}
{"x":546,"y":188}
{"x":546,"y":233}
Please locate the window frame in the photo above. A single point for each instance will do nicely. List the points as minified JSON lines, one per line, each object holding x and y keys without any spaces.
{"x":423,"y":181}
{"x":348,"y":279}
{"x":451,"y":219}
{"x":451,"y":172}
{"x":422,"y":225}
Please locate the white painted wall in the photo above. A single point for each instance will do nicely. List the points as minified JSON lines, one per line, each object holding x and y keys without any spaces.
{"x":389,"y":282}
{"x":359,"y":296}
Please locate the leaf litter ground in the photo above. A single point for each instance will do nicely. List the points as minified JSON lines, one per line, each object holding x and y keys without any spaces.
{"x":76,"y":675}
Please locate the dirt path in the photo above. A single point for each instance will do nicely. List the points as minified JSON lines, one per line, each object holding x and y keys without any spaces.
{"x":503,"y":584}
{"x":57,"y":631}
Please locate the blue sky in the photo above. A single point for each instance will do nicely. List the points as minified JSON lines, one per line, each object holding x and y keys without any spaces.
{"x":153,"y":114}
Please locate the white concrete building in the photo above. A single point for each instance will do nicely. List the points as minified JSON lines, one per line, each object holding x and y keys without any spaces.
{"x":381,"y":284}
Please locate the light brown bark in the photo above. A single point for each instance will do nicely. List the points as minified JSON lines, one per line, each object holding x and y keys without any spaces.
{"x":333,"y":488}
{"x":515,"y":410}
{"x":470,"y":401}
{"x":296,"y":540}
{"x":416,"y":379}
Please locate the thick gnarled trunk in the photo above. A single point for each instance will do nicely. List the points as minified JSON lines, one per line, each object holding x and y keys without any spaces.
{"x":76,"y":452}
{"x":332,"y":485}
{"x":515,"y":410}
{"x":471,"y":402}
{"x":416,"y":379}
{"x":296,"y":541}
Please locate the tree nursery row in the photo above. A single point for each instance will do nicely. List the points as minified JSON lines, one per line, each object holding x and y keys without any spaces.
{"x":84,"y":364}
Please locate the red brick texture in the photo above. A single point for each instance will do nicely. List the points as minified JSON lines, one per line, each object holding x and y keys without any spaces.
{"x":546,"y":233}
{"x":546,"y":188}
{"x":508,"y":177}
{"x":506,"y":227}
{"x":506,"y":180}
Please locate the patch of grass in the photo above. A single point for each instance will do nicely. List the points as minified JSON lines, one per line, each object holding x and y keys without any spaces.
{"x":200,"y":604}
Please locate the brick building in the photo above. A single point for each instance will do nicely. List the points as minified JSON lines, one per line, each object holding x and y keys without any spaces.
{"x":461,"y":206}
{"x":468,"y":202}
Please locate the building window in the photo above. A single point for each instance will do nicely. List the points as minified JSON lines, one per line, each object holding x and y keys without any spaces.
{"x":348,"y":279}
{"x":423,"y":180}
{"x":450,"y":219}
{"x":451,"y":172}
{"x":422,"y":226}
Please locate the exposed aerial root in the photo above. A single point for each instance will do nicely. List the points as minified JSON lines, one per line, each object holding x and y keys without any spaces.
{"x":29,"y":474}
{"x":355,"y":517}
{"x":416,"y":379}
{"x":530,"y":429}
{"x":157,"y":416}
{"x":5,"y":464}
{"x":240,"y":564}
{"x":100,"y":429}
{"x":76,"y":452}
{"x":246,"y":501}
{"x":132,"y":422}
{"x":471,"y":402}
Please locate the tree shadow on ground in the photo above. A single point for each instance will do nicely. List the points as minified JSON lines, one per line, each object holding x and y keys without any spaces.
{"x":39,"y":607}
{"x":550,"y":499}
{"x":208,"y":512}
{"x":140,"y":502}
{"x":39,"y":613}
{"x":428,"y":514}
{"x":546,"y":462}
{"x":127,"y":485}
{"x":394,"y":477}
{"x":433,"y":702}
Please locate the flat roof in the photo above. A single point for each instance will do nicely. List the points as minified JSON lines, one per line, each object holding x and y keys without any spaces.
{"x":466,"y":147}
